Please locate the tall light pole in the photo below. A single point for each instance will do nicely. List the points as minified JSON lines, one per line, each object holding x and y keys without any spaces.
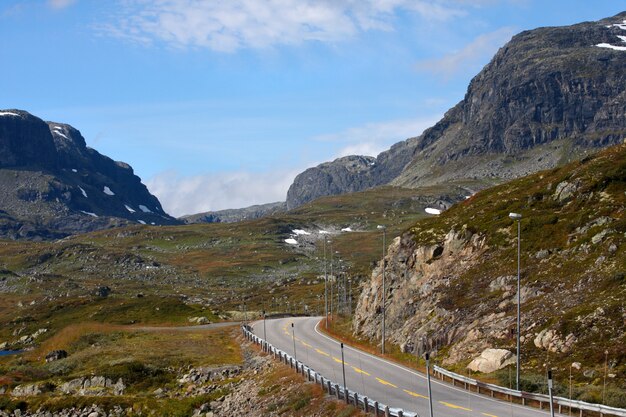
{"x":517,"y":217}
{"x":325,"y":287}
{"x":384,"y":229}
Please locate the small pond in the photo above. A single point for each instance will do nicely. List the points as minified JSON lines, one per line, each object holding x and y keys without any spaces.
{"x":9,"y":352}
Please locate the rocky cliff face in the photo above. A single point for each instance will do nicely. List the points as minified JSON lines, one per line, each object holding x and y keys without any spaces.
{"x":54,"y":185}
{"x":451,"y":280}
{"x":549,"y":96}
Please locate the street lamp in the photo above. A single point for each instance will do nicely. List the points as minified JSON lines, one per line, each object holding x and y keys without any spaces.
{"x":325,"y":288}
{"x":517,"y":217}
{"x":384,"y":229}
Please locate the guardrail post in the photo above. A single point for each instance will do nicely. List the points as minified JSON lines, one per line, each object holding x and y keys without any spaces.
{"x":400,"y":414}
{"x":328,"y":386}
{"x":366,"y":405}
{"x":387,"y":413}
{"x":376,"y":408}
{"x":338,"y":393}
{"x":356,"y":400}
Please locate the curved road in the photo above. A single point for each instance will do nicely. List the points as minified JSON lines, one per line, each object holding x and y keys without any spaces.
{"x":380,"y":380}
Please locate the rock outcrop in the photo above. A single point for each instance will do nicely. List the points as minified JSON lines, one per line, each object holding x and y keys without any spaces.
{"x":54,"y":185}
{"x":451,"y":280}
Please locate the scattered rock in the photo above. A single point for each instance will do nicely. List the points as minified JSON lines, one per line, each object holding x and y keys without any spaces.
{"x":103,"y":292}
{"x":551,"y":340}
{"x":491,"y":360}
{"x":55,"y":355}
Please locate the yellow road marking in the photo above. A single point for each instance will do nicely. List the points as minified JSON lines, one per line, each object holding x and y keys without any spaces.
{"x":305,"y":343}
{"x":340,"y":361}
{"x":321,"y":352}
{"x":382,"y":381}
{"x":414,"y":394}
{"x":360,"y":371}
{"x":458,"y":407}
{"x":488,"y":415}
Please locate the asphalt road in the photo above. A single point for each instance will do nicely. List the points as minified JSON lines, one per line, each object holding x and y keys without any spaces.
{"x":380,"y":380}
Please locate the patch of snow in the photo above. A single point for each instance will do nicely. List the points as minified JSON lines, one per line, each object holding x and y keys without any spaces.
{"x":89,"y":214}
{"x":141,"y":221}
{"x":623,"y":38}
{"x":107,"y":191}
{"x":323,"y":232}
{"x":60,"y":134}
{"x":74,"y":170}
{"x":83,"y":191}
{"x":620,"y":25}
{"x":129,"y":208}
{"x":153,"y":224}
{"x":291,"y":241}
{"x":300,"y":232}
{"x":347,"y":229}
{"x":57,"y":128}
{"x":432,"y":210}
{"x":468,"y":197}
{"x":608,"y":45}
{"x":144,"y":208}
{"x":8,"y":113}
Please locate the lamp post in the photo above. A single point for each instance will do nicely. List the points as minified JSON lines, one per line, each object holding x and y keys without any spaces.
{"x":343,"y":370}
{"x":430,"y":391}
{"x":384,"y":229}
{"x":606,"y":370}
{"x":325,"y":288}
{"x":264,"y":331}
{"x":517,"y":217}
{"x":293,"y":337}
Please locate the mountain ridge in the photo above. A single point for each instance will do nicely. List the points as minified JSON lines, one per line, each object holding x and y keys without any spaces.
{"x":55,"y":185}
{"x":549,"y":96}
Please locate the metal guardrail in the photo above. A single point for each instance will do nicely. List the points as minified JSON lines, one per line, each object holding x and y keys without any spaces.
{"x":581,"y":406}
{"x":351,"y":397}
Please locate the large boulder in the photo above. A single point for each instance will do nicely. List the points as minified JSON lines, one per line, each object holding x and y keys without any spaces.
{"x":491,"y":360}
{"x":55,"y":355}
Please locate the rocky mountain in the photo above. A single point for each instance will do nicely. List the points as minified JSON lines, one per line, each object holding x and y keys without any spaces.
{"x":54,"y":185}
{"x":549,"y":96}
{"x":451,"y":279}
{"x":349,"y":174}
{"x":235,"y":215}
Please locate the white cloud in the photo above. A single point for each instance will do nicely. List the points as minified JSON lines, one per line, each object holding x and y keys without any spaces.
{"x":374,"y":138}
{"x":210,"y":192}
{"x":60,"y":4}
{"x":227,"y":26}
{"x":471,"y":56}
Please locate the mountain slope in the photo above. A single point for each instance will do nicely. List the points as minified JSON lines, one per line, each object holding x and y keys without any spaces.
{"x":549,"y":96}
{"x":451,"y":280}
{"x":235,"y":215}
{"x":54,"y":185}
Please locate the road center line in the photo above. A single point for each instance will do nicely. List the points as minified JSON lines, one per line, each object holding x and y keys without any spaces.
{"x":382,"y":381}
{"x":360,"y":371}
{"x":321,"y":352}
{"x":458,"y":407}
{"x":414,"y":394}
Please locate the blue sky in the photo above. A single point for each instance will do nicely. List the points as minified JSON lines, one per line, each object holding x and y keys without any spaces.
{"x":219,"y":104}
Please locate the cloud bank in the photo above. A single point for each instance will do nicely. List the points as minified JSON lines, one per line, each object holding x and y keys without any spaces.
{"x":210,"y":192}
{"x":227,"y":26}
{"x":471,"y":55}
{"x":374,"y":138}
